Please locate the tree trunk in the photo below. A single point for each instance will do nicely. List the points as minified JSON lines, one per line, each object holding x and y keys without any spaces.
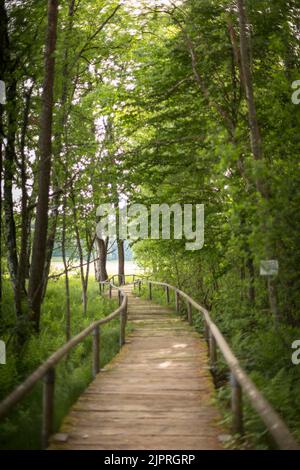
{"x":95,"y":261}
{"x":62,"y":121}
{"x":102,"y":257}
{"x":251,"y":274}
{"x":81,"y":262}
{"x":121,"y":262}
{"x":67,"y":286}
{"x":80,"y":254}
{"x":3,"y":65}
{"x":90,"y":244}
{"x":50,"y":242}
{"x":255,"y":136}
{"x":41,"y":219}
{"x":242,"y":278}
{"x":15,"y":268}
{"x":256,"y":143}
{"x":21,"y":294}
{"x":9,"y":170}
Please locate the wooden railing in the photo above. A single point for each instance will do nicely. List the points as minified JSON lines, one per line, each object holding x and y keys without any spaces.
{"x":239,"y":380}
{"x":110,"y":282}
{"x":46,"y":371}
{"x":121,"y":279}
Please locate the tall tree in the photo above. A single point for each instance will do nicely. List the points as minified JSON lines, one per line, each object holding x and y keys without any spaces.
{"x":10,"y":157}
{"x":255,"y":136}
{"x":41,"y":219}
{"x":3,"y":52}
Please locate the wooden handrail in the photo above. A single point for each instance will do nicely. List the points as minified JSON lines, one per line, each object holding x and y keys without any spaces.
{"x":46,"y":370}
{"x":239,"y":380}
{"x":124,"y":276}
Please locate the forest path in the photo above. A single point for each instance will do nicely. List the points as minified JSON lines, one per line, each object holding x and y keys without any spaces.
{"x":157,"y":393}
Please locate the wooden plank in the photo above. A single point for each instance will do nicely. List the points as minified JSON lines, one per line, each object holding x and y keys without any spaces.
{"x":107,"y":427}
{"x":135,"y":441}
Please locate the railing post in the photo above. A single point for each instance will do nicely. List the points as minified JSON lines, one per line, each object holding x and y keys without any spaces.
{"x":125,"y":313}
{"x":110,"y":291}
{"x":236,"y":405}
{"x":212,"y":351}
{"x":119,"y":297}
{"x":48,"y":406}
{"x":96,"y":351}
{"x":206,"y":331}
{"x":189,"y":313}
{"x":167,"y":294}
{"x":140,"y":285}
{"x":150,"y":291}
{"x":177,"y":301}
{"x":122,"y":327}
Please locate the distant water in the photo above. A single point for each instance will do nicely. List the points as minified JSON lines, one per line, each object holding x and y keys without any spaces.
{"x":112,"y":267}
{"x":130,"y":267}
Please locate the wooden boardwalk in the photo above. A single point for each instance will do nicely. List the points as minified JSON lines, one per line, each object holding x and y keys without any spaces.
{"x":156,"y":394}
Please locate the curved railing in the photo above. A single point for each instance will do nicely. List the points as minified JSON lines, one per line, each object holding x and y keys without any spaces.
{"x":46,"y":371}
{"x":239,"y":380}
{"x":121,"y":278}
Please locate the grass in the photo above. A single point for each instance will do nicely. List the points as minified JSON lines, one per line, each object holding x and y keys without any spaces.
{"x":21,"y":429}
